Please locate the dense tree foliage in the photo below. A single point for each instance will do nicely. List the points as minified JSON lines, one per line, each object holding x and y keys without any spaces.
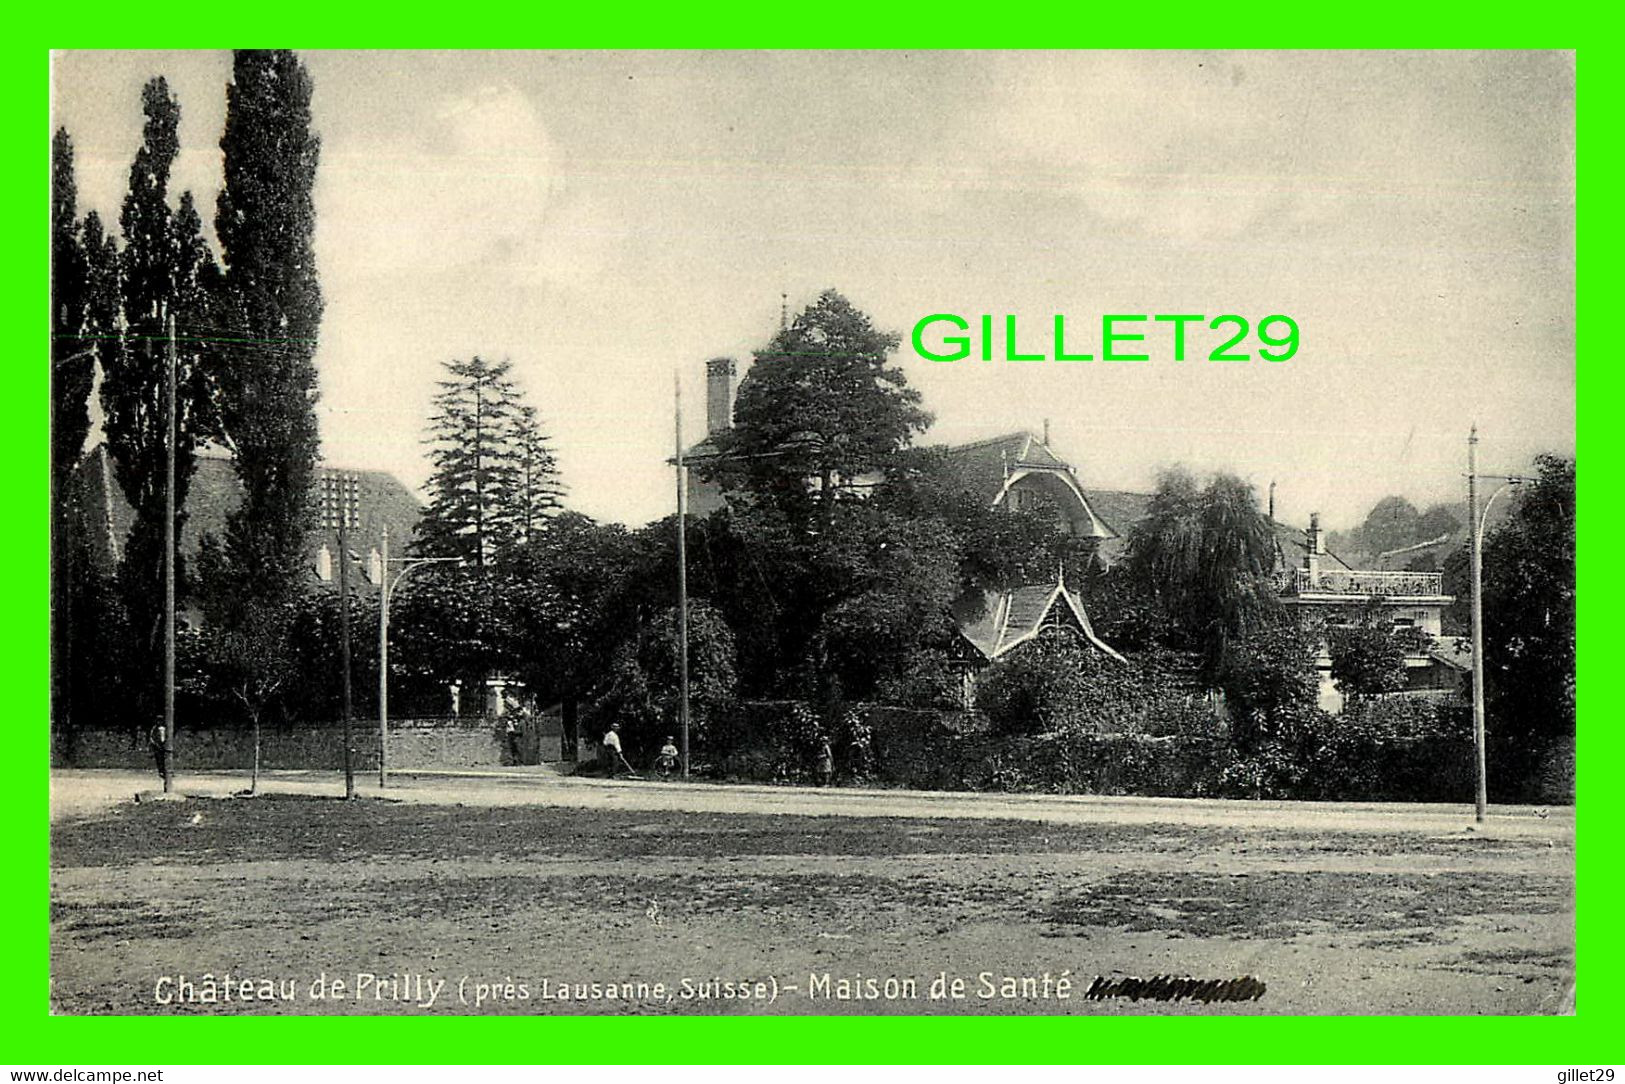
{"x":1270,"y":683}
{"x":575,"y":597}
{"x":1368,"y":652}
{"x":641,"y":685}
{"x":887,"y":584}
{"x":1056,"y":683}
{"x":821,"y":407}
{"x":453,"y":624}
{"x":828,"y":596}
{"x":1529,"y":619}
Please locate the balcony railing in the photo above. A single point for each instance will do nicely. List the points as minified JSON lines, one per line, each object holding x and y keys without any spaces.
{"x":1343,"y":581}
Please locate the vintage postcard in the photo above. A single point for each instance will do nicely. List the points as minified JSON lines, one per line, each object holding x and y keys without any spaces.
{"x":812,"y":533}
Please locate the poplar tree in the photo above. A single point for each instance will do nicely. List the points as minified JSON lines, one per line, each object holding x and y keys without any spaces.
{"x":494,"y":476}
{"x":91,"y":648}
{"x":104,"y":290}
{"x":271,"y":308}
{"x":71,"y":375}
{"x":164,"y":270}
{"x":72,"y":352}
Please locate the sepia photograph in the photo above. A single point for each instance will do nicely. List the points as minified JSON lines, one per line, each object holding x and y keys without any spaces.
{"x":812,"y":533}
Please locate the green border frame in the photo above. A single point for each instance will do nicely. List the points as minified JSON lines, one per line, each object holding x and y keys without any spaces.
{"x":35,"y":1037}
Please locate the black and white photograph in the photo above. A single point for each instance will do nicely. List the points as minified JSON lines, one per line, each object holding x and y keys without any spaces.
{"x":812,"y":533}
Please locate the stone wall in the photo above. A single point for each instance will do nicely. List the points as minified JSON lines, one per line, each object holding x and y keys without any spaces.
{"x":473,"y":742}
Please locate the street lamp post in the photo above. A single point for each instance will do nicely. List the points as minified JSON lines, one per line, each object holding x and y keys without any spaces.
{"x":386,"y":589}
{"x":1475,"y":524}
{"x":682,"y":575}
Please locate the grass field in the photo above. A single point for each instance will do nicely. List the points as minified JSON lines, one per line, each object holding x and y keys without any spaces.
{"x":480,"y":896}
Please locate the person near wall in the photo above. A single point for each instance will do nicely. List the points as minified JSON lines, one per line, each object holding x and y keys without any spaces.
{"x":612,"y":749}
{"x":511,"y":733}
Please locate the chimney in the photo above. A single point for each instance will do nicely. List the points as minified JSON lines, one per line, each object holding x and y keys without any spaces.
{"x":719,"y":394}
{"x":1272,"y":502}
{"x":1046,"y":432}
{"x":1315,"y":549}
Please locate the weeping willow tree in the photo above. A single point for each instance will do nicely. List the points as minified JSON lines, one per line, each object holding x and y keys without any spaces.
{"x":1205,"y":554}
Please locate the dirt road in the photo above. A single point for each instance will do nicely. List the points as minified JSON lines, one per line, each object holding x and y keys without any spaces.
{"x":76,"y":793}
{"x":548,"y":895}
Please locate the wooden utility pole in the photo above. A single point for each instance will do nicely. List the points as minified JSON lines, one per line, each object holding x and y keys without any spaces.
{"x":169,"y":566}
{"x":1481,"y":798}
{"x":682,"y":575}
{"x":1476,"y":520}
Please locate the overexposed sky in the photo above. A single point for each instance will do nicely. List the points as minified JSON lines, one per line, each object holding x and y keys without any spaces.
{"x":603,"y":219}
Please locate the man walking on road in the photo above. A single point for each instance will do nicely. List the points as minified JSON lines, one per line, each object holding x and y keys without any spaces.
{"x":613,"y":759}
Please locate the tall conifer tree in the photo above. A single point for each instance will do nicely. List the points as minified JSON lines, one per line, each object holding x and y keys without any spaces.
{"x":265,"y":220}
{"x":540,"y":491}
{"x":494,"y":475}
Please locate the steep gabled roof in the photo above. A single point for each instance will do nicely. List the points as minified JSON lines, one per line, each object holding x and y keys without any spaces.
{"x":988,"y":468}
{"x":996,"y":622}
{"x":215,"y":491}
{"x":982,"y":466}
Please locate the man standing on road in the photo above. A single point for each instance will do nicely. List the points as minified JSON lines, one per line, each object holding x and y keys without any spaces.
{"x":160,"y":749}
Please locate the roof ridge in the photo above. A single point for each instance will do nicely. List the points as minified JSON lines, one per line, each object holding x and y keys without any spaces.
{"x":322,"y":465}
{"x":983,"y":443}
